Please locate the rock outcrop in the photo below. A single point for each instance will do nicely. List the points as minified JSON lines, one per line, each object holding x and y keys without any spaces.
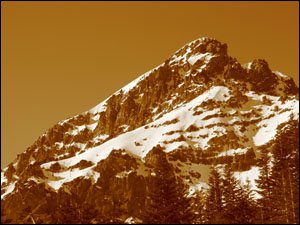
{"x":200,"y":107}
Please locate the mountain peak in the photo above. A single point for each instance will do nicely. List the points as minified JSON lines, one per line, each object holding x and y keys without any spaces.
{"x":201,"y":46}
{"x":260,"y":66}
{"x":198,"y":108}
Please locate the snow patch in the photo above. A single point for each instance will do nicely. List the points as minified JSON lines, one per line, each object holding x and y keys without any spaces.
{"x":280,"y":74}
{"x":8,"y":189}
{"x":250,"y":175}
{"x":96,"y":117}
{"x":70,"y":175}
{"x":3,"y":178}
{"x":193,"y":189}
{"x":92,"y":126}
{"x":194,"y":58}
{"x":232,"y":152}
{"x":268,"y":128}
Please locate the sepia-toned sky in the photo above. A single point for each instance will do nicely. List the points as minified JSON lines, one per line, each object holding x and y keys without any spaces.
{"x":59,"y":59}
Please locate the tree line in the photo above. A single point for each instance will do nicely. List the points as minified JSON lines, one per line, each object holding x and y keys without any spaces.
{"x":226,"y":200}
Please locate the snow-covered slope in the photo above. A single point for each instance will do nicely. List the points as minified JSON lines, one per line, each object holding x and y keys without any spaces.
{"x":200,"y":106}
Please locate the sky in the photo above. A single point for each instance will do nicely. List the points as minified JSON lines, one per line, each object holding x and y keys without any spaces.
{"x":59,"y":59}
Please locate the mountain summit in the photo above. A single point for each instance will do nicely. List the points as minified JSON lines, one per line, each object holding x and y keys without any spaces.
{"x":200,"y":107}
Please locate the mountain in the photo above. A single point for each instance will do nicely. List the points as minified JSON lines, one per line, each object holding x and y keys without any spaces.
{"x":201,"y":107}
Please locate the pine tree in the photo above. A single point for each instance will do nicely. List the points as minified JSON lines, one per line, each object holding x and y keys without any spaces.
{"x":71,"y":212}
{"x":237,"y":201}
{"x":246,"y":206}
{"x":285,"y":173}
{"x":290,"y":138}
{"x":185,"y":211}
{"x":168,"y":204}
{"x":67,"y":212}
{"x":88,"y":213}
{"x":264,"y":184}
{"x":279,"y":190}
{"x":232,"y":193}
{"x":198,"y":206}
{"x":213,"y":201}
{"x":167,"y":201}
{"x":279,"y":185}
{"x":117,"y":210}
{"x":294,"y":171}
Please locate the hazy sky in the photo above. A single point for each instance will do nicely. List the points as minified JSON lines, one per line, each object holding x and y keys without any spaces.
{"x":59,"y":59}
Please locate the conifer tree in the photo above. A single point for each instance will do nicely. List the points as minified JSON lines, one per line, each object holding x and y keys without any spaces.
{"x":246,"y":207}
{"x":279,"y":184}
{"x":88,"y":213}
{"x":294,"y":171}
{"x":264,"y":184}
{"x":185,"y":210}
{"x":117,"y":210}
{"x":168,"y":204}
{"x":167,"y":201}
{"x":285,"y":173}
{"x":67,"y":212}
{"x":232,"y":195}
{"x":213,"y":201}
{"x":237,"y":201}
{"x":198,"y":206}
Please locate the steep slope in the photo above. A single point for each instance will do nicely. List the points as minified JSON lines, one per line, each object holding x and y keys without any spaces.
{"x":200,"y":106}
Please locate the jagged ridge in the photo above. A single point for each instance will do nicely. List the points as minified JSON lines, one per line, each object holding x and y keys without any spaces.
{"x":190,"y":105}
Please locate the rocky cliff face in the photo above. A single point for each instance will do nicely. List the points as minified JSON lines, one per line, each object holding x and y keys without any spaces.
{"x":200,"y":106}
